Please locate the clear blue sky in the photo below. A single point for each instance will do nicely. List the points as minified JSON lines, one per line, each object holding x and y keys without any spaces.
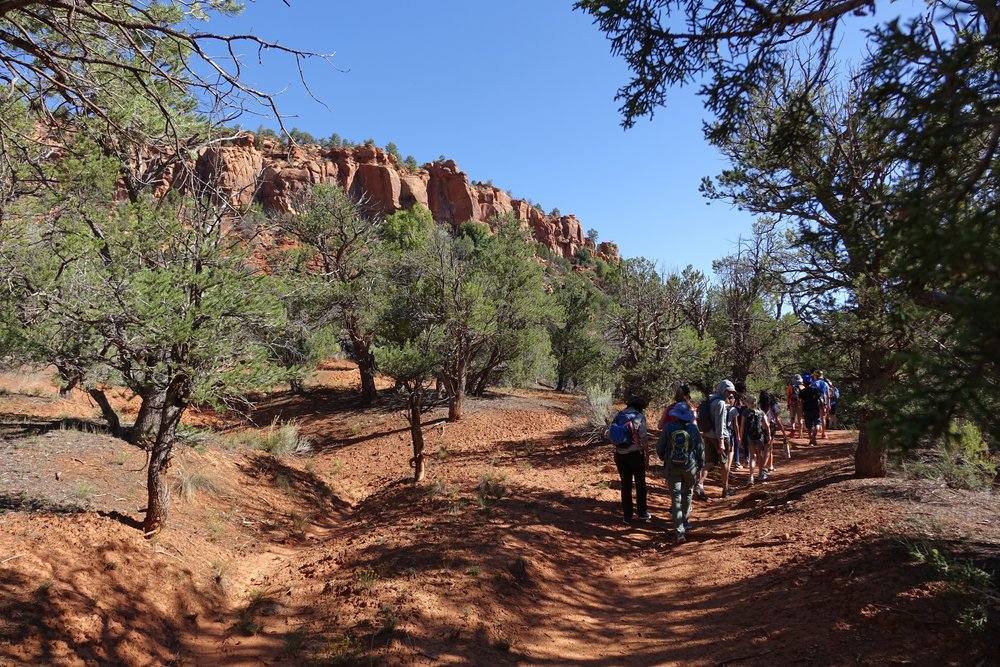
{"x":519,"y":92}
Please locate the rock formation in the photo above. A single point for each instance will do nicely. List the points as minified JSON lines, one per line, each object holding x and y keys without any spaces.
{"x":244,"y":171}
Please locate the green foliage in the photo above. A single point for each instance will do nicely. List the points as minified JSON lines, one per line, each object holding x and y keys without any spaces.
{"x":337,"y":261}
{"x":476,"y":232}
{"x":583,"y":257}
{"x":976,"y":588}
{"x":301,"y":137}
{"x":576,"y":313}
{"x":393,"y":150}
{"x":962,"y":460}
{"x":408,"y":229}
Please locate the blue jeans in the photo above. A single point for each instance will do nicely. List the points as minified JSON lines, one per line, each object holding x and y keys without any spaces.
{"x":736,"y":449}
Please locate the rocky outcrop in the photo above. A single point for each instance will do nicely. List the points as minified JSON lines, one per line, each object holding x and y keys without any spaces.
{"x":244,"y":171}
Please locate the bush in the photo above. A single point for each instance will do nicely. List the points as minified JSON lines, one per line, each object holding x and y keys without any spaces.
{"x":280,"y":439}
{"x":188,"y":483}
{"x":600,"y":407}
{"x":962,"y":461}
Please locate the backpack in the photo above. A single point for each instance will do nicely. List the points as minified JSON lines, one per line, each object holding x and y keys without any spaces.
{"x":623,"y":430}
{"x":754,"y":430}
{"x":679,"y":443}
{"x":705,"y":420}
{"x":793,"y":395}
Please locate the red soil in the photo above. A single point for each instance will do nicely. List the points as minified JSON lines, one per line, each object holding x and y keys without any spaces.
{"x":509,"y":554}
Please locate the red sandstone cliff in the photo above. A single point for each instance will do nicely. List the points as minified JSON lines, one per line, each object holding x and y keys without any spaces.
{"x":278,"y":177}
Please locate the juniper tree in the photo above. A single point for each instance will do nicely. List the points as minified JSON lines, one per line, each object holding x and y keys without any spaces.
{"x":337,"y":249}
{"x":161,"y":299}
{"x":897,"y":223}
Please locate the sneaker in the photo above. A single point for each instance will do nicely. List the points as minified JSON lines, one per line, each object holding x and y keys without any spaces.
{"x":679,"y":539}
{"x":763,"y":476}
{"x":728,"y":492}
{"x":687,"y":527}
{"x":627,"y":522}
{"x":699,"y":494}
{"x":750,"y":483}
{"x":771,"y":469}
{"x":739,"y":466}
{"x":645,"y":516}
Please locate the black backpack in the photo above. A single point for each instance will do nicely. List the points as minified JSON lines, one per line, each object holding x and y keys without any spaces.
{"x":705,"y":420}
{"x":754,"y":430}
{"x":679,"y":443}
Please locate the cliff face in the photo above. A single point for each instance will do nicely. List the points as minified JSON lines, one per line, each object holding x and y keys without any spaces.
{"x":245,"y":171}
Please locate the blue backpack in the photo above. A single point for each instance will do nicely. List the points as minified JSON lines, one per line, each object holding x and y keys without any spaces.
{"x":678,"y":443}
{"x":623,"y":430}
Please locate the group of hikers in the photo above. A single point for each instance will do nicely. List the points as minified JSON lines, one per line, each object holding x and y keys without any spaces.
{"x":731,"y":428}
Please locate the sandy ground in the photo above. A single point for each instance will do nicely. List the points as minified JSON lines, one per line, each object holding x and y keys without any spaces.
{"x":510,"y":552}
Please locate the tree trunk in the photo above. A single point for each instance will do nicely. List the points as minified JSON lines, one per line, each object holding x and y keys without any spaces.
{"x":456,"y":388}
{"x":870,"y":458}
{"x":69,"y":380}
{"x":108,"y":412}
{"x":366,"y":369}
{"x":150,"y":417}
{"x":158,"y":490}
{"x":417,"y":435}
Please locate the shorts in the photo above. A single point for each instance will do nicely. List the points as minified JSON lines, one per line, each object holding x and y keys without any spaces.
{"x":812,"y":419}
{"x":712,"y":451}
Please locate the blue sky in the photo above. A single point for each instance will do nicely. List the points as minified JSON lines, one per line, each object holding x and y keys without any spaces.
{"x":519,"y":92}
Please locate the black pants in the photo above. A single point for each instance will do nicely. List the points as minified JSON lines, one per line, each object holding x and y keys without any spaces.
{"x":632,"y":466}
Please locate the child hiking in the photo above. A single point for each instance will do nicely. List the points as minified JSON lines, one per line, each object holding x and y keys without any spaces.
{"x":683,"y":454}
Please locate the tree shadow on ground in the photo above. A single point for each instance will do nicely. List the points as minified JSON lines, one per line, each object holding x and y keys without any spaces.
{"x":318,"y":505}
{"x":23,"y":426}
{"x":95,"y":610}
{"x":864,"y":598}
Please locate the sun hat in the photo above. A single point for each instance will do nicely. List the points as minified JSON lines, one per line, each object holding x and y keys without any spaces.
{"x":682,"y":412}
{"x":796,"y":379}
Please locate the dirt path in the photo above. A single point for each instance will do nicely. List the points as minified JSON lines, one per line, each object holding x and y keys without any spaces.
{"x":510,"y":554}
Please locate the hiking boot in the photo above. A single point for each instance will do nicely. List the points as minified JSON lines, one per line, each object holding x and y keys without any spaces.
{"x":728,"y":492}
{"x":645,"y":516}
{"x":627,"y":522}
{"x":687,"y":527}
{"x":679,"y":539}
{"x":763,"y":476}
{"x":699,"y":494}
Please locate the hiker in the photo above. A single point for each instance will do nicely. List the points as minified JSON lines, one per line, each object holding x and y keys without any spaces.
{"x":794,"y":405}
{"x":682,"y":394}
{"x":771,"y":408}
{"x":834,"y":399}
{"x":628,"y":434}
{"x":736,"y":415}
{"x":713,"y":424}
{"x":683,"y":454}
{"x":811,"y":399}
{"x":756,"y":436}
{"x":824,"y":404}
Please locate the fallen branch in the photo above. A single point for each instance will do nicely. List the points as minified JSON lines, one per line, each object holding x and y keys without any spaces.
{"x":12,"y":557}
